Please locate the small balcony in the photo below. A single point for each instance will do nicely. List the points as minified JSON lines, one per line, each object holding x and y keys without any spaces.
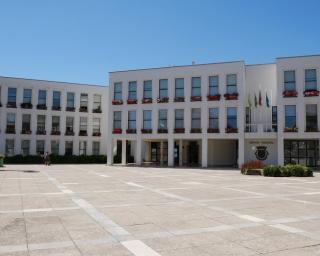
{"x":179,"y":99}
{"x":96,"y":134}
{"x":97,"y":110}
{"x":195,"y":98}
{"x":117,"y":102}
{"x":69,"y":133}
{"x":290,"y":94}
{"x":11,"y":105}
{"x":195,"y":130}
{"x":26,"y":105}
{"x":132,"y":101}
{"x":231,"y":96}
{"x":131,"y":131}
{"x":146,"y":131}
{"x":265,"y":130}
{"x":83,"y":133}
{"x":55,"y":132}
{"x":163,"y":100}
{"x":213,"y":130}
{"x":117,"y":131}
{"x":83,"y":109}
{"x":290,"y":129}
{"x":56,"y":108}
{"x":162,"y":130}
{"x":231,"y":130}
{"x":179,"y":130}
{"x":146,"y":101}
{"x":41,"y":132}
{"x":70,"y":109}
{"x":311,"y":93}
{"x":214,"y":97}
{"x":42,"y":106}
{"x":26,"y":131}
{"x":10,"y":129}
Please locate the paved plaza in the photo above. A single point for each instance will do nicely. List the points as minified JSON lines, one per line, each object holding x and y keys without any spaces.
{"x":118,"y":211}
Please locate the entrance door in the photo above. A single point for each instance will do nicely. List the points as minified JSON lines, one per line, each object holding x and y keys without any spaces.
{"x":155,"y":152}
{"x":193,"y":153}
{"x":176,"y":153}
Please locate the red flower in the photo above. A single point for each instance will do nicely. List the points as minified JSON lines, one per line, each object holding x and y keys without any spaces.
{"x":231,"y":96}
{"x":117,"y":131}
{"x":213,"y":97}
{"x":117,"y":102}
{"x":290,"y":94}
{"x":310,"y":93}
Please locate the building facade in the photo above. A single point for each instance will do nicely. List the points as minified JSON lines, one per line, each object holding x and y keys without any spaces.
{"x":219,"y":114}
{"x":44,"y":116}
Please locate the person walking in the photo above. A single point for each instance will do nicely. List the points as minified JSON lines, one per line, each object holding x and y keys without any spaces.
{"x":47,"y":159}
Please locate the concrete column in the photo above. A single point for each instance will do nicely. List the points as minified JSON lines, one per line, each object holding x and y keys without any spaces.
{"x":180,"y":152}
{"x":280,"y":151}
{"x":138,"y":151}
{"x":170,"y":152}
{"x":161,"y":153}
{"x":110,"y":152}
{"x":204,"y":152}
{"x":240,"y":151}
{"x":148,"y":151}
{"x":123,"y":152}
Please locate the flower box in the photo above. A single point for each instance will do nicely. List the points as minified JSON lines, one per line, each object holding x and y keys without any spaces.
{"x":117,"y":131}
{"x":69,"y":133}
{"x":179,"y":130}
{"x":195,"y":130}
{"x":97,"y":110}
{"x":146,"y":130}
{"x":289,"y":94}
{"x":161,"y":130}
{"x":311,"y":93}
{"x":131,"y":131}
{"x":11,"y":105}
{"x":213,"y":130}
{"x":26,"y":131}
{"x":132,"y":101}
{"x":83,"y":109}
{"x":231,"y":130}
{"x":42,"y":106}
{"x":146,"y":100}
{"x":163,"y":100}
{"x":214,"y":97}
{"x":290,"y":129}
{"x":83,"y":133}
{"x":117,"y":102}
{"x":96,"y":134}
{"x":26,"y":105}
{"x":195,"y":98}
{"x":70,"y":109}
{"x":55,"y":132}
{"x":41,"y":132}
{"x":56,"y":108}
{"x":179,"y":99}
{"x":231,"y":96}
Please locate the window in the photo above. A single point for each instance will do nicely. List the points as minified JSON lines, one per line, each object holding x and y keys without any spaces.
{"x":12,"y":95}
{"x":84,"y":101}
{"x":55,"y":147}
{"x":83,"y":124}
{"x":41,"y":124}
{"x":42,"y":97}
{"x":117,"y":119}
{"x":56,"y":99}
{"x":147,"y":89}
{"x":147,"y":119}
{"x":95,"y":148}
{"x":68,"y":148}
{"x":195,"y":118}
{"x":290,"y":80}
{"x":27,"y":96}
{"x":163,"y":119}
{"x":83,"y":148}
{"x":310,"y":79}
{"x":26,"y":119}
{"x":179,"y":88}
{"x":195,"y":86}
{"x":25,"y":147}
{"x":311,"y":118}
{"x":179,"y":118}
{"x":213,"y":85}
{"x":70,"y":100}
{"x":132,"y":90}
{"x":117,"y":91}
{"x":69,"y":124}
{"x":40,"y":147}
{"x":132,"y":120}
{"x":274,"y":118}
{"x":290,"y":116}
{"x":214,"y":118}
{"x":97,"y":102}
{"x":9,"y":147}
{"x":96,"y":125}
{"x":232,"y":118}
{"x":56,"y":123}
{"x":163,"y":88}
{"x":232,"y":83}
{"x":11,"y":122}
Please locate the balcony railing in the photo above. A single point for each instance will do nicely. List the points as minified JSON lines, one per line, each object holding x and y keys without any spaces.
{"x":260,"y":128}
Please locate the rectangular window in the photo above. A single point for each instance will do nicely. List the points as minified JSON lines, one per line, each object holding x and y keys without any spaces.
{"x":55,"y":147}
{"x":117,"y":120}
{"x":179,"y":88}
{"x":12,"y":95}
{"x":179,"y":118}
{"x":232,"y":83}
{"x":132,"y":90}
{"x":232,"y":118}
{"x":41,"y":124}
{"x":163,"y":88}
{"x":84,"y":101}
{"x":40,"y":147}
{"x":9,"y":147}
{"x":27,"y":96}
{"x":26,"y":120}
{"x":274,"y":118}
{"x":56,"y":123}
{"x":56,"y":99}
{"x":82,"y":148}
{"x":310,"y":79}
{"x":42,"y":97}
{"x":163,"y":119}
{"x":213,"y":118}
{"x":132,"y":120}
{"x":70,"y":100}
{"x":117,"y":94}
{"x":195,"y":118}
{"x":147,"y":123}
{"x":25,"y":147}
{"x":83,"y":124}
{"x":147,"y":89}
{"x":11,"y":122}
{"x":69,"y":148}
{"x":96,"y":125}
{"x":195,"y":86}
{"x":95,"y":148}
{"x":69,"y":124}
{"x":290,"y":80}
{"x":97,"y":102}
{"x":311,"y":118}
{"x":290,"y":116}
{"x":213,"y":85}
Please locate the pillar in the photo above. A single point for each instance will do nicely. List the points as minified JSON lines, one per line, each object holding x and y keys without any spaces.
{"x":204,"y":152}
{"x":170,"y":152}
{"x":161,"y":153}
{"x":138,"y":151}
{"x":124,"y":152}
{"x":240,"y":151}
{"x":280,"y":151}
{"x":110,"y":152}
{"x":180,"y":152}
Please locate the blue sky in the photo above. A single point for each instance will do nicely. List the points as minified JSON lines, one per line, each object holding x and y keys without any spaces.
{"x":82,"y":40}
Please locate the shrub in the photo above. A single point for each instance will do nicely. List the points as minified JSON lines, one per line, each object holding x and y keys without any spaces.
{"x":254,"y":164}
{"x":117,"y":159}
{"x":272,"y":171}
{"x":288,"y":170}
{"x":1,"y":157}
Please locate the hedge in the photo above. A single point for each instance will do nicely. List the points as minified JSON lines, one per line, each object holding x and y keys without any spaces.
{"x":56,"y":159}
{"x":289,"y":170}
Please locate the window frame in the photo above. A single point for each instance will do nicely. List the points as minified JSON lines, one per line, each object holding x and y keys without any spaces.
{"x":195,"y":87}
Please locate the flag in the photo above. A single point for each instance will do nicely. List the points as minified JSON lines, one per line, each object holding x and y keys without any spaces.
{"x":255,"y":100}
{"x":267,"y":101}
{"x":260,"y":99}
{"x":249,"y":101}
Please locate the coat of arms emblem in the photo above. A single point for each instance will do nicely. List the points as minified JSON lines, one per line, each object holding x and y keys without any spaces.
{"x":261,"y":153}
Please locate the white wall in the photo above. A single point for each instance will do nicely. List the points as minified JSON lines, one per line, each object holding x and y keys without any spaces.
{"x":222,"y":152}
{"x":271,"y":147}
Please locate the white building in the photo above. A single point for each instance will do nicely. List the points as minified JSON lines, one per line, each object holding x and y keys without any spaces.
{"x":219,"y":114}
{"x":39,"y":116}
